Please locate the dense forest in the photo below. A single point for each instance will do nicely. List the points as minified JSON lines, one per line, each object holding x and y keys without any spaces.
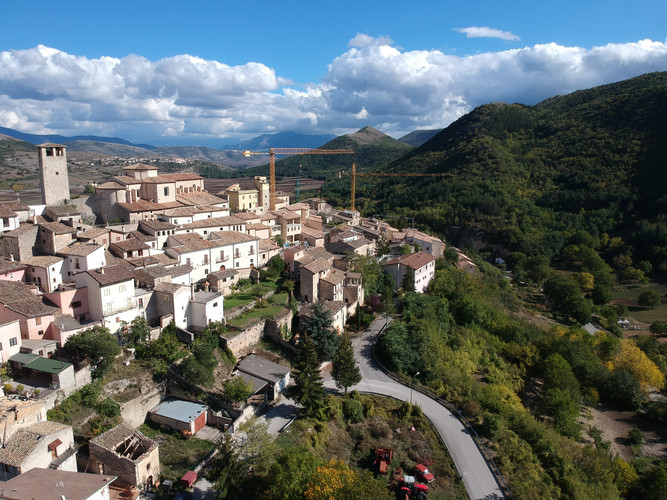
{"x":529,"y":177}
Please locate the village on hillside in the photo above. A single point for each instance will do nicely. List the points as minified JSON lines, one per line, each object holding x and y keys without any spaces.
{"x":159,"y":250}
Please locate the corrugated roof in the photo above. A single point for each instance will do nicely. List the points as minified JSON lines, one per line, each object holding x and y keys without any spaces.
{"x":182,"y":411}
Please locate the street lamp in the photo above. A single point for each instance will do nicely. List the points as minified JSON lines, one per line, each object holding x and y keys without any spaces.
{"x":415,"y":376}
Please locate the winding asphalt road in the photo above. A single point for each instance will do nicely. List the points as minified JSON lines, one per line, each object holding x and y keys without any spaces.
{"x":479,"y":481}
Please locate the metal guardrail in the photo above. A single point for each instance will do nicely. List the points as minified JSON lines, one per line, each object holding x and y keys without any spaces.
{"x":478,"y":440}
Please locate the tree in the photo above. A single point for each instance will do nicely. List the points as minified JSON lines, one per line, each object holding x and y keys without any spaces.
{"x":137,"y":332}
{"x":633,"y":359}
{"x":166,"y":347}
{"x":345,"y":370}
{"x":586,"y":281}
{"x":382,"y":247}
{"x":309,"y":390}
{"x":328,"y":480}
{"x":649,"y":299}
{"x":96,"y":344}
{"x":199,"y":366}
{"x":276,"y":266}
{"x":318,"y":325}
{"x":290,"y":473}
{"x":658,"y":327}
{"x":409,"y":280}
{"x":237,"y":389}
{"x":565,"y":296}
{"x":226,"y":471}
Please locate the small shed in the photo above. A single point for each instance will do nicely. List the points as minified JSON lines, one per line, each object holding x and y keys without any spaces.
{"x":276,"y":375}
{"x":189,"y":478}
{"x":183,"y":416}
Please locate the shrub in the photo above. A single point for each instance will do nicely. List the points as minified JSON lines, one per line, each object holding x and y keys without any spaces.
{"x":353,"y":411}
{"x":636,"y":437}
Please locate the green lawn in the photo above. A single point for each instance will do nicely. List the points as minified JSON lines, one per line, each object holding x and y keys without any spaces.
{"x":249,"y":294}
{"x":628,"y":294}
{"x":177,"y":455}
{"x":275,"y":304}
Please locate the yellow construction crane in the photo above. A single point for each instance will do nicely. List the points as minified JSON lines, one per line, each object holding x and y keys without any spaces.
{"x":289,"y":151}
{"x":356,"y":174}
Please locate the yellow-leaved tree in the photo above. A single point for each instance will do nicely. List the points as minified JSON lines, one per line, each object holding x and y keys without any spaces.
{"x":328,"y":480}
{"x":633,"y":359}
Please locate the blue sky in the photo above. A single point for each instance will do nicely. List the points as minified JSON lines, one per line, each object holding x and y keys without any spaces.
{"x":120,"y":68}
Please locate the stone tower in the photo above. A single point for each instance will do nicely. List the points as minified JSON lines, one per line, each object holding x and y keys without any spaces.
{"x":53,"y":169}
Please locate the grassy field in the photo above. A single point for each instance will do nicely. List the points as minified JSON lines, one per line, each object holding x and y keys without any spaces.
{"x":628,"y":294}
{"x":249,"y":294}
{"x":274,"y":305}
{"x":177,"y":455}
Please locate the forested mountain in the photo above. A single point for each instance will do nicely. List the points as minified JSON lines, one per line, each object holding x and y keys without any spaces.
{"x":372,"y":150}
{"x":61,"y":139}
{"x":418,"y":137}
{"x":531,"y":176}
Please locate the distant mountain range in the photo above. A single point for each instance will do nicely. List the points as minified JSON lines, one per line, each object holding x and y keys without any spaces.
{"x":281,"y":140}
{"x":61,"y":139}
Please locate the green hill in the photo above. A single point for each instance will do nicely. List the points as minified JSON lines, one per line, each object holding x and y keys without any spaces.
{"x":531,"y":176}
{"x":373,"y":150}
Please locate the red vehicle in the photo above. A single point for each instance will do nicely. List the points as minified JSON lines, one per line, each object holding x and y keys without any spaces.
{"x":424,"y":473}
{"x":383,"y":457}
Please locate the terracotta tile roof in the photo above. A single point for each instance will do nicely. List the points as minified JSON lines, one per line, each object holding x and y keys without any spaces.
{"x":182,"y":176}
{"x":110,"y":185}
{"x":246,"y":216}
{"x":138,"y":235}
{"x":309,"y":231}
{"x":62,"y":210}
{"x":50,"y":145}
{"x":15,"y":205}
{"x":224,"y":273}
{"x":157,"y":225}
{"x":93,"y":233}
{"x":158,"y":179}
{"x":18,"y":297}
{"x":110,"y":439}
{"x":110,"y":275}
{"x":82,"y":249}
{"x":22,"y":229}
{"x":7,"y":266}
{"x":317,"y":266}
{"x":5,"y":211}
{"x":125,"y":180}
{"x":188,"y":242}
{"x":230,"y":237}
{"x":227,"y":220}
{"x":56,"y":227}
{"x":42,"y":261}
{"x":413,"y":260}
{"x":129,"y":245}
{"x":268,"y":244}
{"x":199,"y":198}
{"x":39,"y":483}
{"x":334,"y":277}
{"x":286,"y":214}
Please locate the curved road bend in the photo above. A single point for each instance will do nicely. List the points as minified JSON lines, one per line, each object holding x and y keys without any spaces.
{"x":478,"y":479}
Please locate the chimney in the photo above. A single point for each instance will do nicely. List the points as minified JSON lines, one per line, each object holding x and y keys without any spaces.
{"x":101,"y":270}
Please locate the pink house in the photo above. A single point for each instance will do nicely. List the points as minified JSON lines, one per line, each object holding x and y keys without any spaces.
{"x":18,"y":302}
{"x":11,"y":270}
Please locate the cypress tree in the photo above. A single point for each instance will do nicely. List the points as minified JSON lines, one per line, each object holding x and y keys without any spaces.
{"x":309,"y":387}
{"x":345,"y":370}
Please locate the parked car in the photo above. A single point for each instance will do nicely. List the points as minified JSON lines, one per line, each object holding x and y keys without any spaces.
{"x":424,"y":473}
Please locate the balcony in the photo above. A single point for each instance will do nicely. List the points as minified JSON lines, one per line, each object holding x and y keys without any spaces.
{"x":218,"y":260}
{"x":128,"y":306}
{"x":276,"y":229}
{"x":293,"y":228}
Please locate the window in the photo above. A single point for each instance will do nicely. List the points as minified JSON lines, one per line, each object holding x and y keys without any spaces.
{"x":166,"y":191}
{"x":38,"y":321}
{"x":141,"y":302}
{"x":13,"y":342}
{"x":107,"y":292}
{"x":0,"y":346}
{"x":76,"y":303}
{"x":40,"y":332}
{"x":215,"y":304}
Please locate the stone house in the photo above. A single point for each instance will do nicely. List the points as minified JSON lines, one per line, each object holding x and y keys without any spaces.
{"x":421,"y":264}
{"x":126,"y":453}
{"x":20,"y":243}
{"x":54,"y":236}
{"x":45,"y":272}
{"x":80,"y":257}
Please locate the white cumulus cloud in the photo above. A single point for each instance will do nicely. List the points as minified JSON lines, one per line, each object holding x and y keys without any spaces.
{"x":486,"y":32}
{"x":45,"y":90}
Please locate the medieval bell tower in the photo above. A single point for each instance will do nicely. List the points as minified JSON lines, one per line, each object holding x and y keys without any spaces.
{"x":53,"y":169}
